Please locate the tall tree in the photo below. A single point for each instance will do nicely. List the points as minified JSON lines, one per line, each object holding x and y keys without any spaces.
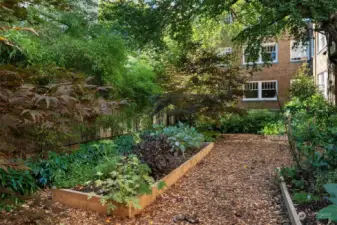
{"x":262,"y":19}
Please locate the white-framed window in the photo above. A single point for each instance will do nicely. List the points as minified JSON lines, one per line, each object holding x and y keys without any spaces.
{"x":323,"y":83}
{"x":321,"y":41}
{"x":260,"y":90}
{"x":298,"y":53}
{"x":268,"y":53}
{"x":224,"y":51}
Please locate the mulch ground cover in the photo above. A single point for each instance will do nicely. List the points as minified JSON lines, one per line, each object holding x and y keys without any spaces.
{"x":234,"y":184}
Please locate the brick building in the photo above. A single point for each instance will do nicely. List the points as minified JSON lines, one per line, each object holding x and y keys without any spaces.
{"x":270,"y":86}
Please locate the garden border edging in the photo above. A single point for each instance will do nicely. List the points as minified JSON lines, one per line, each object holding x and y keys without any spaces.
{"x":292,"y":213}
{"x":276,"y":137}
{"x":86,"y":201}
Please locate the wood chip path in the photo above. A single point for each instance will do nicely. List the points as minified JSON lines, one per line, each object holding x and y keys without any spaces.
{"x":235,"y":184}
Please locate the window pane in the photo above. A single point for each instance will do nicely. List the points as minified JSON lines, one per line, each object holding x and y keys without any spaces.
{"x":268,"y":93}
{"x":251,"y":90}
{"x":321,"y":41}
{"x":298,"y":53}
{"x":269,"y":89}
{"x":323,"y":83}
{"x":269,"y":53}
{"x":251,"y":93}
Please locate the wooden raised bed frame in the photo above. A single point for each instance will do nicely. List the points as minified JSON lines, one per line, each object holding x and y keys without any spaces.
{"x":276,"y":137}
{"x":292,"y":213}
{"x":81,"y":200}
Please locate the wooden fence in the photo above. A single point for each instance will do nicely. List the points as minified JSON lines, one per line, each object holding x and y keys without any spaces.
{"x":80,"y":136}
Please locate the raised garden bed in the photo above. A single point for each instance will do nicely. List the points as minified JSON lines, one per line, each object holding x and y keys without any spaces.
{"x":305,"y":212}
{"x":85,"y":201}
{"x":292,"y":213}
{"x":276,"y":137}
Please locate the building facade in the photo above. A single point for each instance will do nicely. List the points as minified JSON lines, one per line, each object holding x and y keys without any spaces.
{"x":323,"y":71}
{"x":269,"y":88}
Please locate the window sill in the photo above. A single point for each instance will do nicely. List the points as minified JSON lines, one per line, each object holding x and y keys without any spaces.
{"x":259,"y":63}
{"x":260,"y":100}
{"x":298,"y":61}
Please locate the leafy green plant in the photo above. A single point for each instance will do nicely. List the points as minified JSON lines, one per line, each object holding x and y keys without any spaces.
{"x":14,"y":185}
{"x":121,"y":180}
{"x":124,"y":144}
{"x":156,"y":151}
{"x":252,"y":121}
{"x":277,"y":128}
{"x":181,"y":137}
{"x":44,"y":170}
{"x":210,"y":135}
{"x":304,"y":197}
{"x":323,"y":177}
{"x":303,"y":86}
{"x":312,"y":126}
{"x":329,"y":212}
{"x":77,"y":174}
{"x":67,"y":170}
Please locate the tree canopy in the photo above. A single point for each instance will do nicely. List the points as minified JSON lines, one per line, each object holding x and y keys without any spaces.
{"x":261,"y":19}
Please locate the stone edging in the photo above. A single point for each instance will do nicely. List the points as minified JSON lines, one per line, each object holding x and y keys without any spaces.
{"x":77,"y":199}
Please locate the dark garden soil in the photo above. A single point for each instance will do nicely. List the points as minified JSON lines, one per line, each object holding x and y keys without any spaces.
{"x":234,"y":184}
{"x":310,"y":210}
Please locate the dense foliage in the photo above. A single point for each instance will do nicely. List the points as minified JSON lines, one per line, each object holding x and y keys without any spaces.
{"x":251,"y":121}
{"x":181,"y":137}
{"x":329,"y":212}
{"x":53,"y":72}
{"x":29,"y":99}
{"x":261,"y":20}
{"x":122,"y":180}
{"x":312,"y":136}
{"x":201,"y":82}
{"x":164,"y":149}
{"x":155,"y":150}
{"x":117,"y":169}
{"x":124,"y":144}
{"x":277,"y":128}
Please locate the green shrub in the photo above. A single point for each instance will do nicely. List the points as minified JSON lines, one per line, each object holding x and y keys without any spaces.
{"x":44,"y":170}
{"x":124,"y":144}
{"x":14,"y":184}
{"x":47,"y":171}
{"x":277,"y":128}
{"x":181,"y":137}
{"x":303,"y":86}
{"x":77,"y":174}
{"x":122,"y":179}
{"x":304,"y":197}
{"x":156,"y":151}
{"x":210,"y":135}
{"x":313,"y":126}
{"x":329,"y":213}
{"x":252,"y":121}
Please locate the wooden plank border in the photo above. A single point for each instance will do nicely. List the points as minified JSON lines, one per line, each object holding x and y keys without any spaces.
{"x":80,"y":200}
{"x":292,"y":213}
{"x":276,"y":137}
